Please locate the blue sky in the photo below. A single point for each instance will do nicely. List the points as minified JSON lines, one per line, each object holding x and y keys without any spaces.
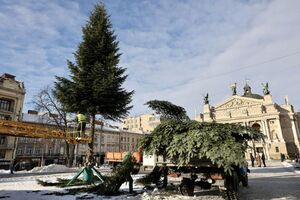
{"x":175,"y":50}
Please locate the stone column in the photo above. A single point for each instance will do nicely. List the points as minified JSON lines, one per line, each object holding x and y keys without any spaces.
{"x":295,"y":133}
{"x":267,"y":144}
{"x":279,"y":130}
{"x":297,"y":127}
{"x":265,"y":127}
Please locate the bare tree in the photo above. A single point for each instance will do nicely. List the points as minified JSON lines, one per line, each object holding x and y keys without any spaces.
{"x":47,"y":103}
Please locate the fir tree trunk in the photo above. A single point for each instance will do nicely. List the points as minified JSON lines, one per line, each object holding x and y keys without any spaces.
{"x":71,"y":154}
{"x":67,"y":154}
{"x":90,"y":153}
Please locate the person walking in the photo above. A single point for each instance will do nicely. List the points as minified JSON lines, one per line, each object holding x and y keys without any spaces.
{"x":263,"y":158}
{"x":252,"y":159}
{"x":81,"y":124}
{"x":258,"y":159}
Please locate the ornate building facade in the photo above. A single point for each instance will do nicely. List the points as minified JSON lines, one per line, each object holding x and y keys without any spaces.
{"x":12,"y":93}
{"x":279,"y":123}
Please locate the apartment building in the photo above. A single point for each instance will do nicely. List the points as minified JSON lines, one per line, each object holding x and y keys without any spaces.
{"x":39,"y":151}
{"x":107,"y":139}
{"x":36,"y":151}
{"x":12,"y":93}
{"x":142,"y":123}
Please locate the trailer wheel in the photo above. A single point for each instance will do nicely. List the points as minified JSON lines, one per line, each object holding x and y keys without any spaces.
{"x":136,"y":169}
{"x":187,"y":187}
{"x":231,"y":195}
{"x":235,"y":182}
{"x":232,"y":184}
{"x":245,"y":181}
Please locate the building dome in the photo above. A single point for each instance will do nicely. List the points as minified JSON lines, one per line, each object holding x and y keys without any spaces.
{"x":248,"y":93}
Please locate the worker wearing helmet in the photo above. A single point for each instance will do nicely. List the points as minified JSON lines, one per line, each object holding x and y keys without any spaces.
{"x":81,"y":123}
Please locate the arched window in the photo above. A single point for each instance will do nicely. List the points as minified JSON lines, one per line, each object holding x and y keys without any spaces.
{"x":256,"y":126}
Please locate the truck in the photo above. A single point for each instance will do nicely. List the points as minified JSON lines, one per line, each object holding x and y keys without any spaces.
{"x":115,"y":158}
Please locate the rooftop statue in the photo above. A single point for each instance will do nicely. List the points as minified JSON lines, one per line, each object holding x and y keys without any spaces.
{"x":266,"y":90}
{"x":233,"y":88}
{"x":206,"y":101}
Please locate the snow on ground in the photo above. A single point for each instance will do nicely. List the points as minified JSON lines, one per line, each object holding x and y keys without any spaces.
{"x":48,"y":168}
{"x":51,"y":168}
{"x":293,"y":165}
{"x":3,"y":171}
{"x":25,"y":187}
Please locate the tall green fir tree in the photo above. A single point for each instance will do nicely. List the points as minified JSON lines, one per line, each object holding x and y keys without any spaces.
{"x":96,"y":79}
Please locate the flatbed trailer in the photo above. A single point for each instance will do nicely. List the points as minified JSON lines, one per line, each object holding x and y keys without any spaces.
{"x":202,"y":173}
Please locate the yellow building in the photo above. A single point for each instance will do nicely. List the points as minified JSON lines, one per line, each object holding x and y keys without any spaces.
{"x":142,"y":123}
{"x":12,"y":93}
{"x":279,"y":123}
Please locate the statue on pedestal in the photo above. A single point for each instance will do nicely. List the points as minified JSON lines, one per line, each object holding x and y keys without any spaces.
{"x":266,"y":90}
{"x":205,"y":100}
{"x":286,"y":100}
{"x":233,"y":88}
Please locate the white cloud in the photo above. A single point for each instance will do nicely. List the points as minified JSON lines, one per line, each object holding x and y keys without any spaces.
{"x":207,"y":56}
{"x":35,"y":40}
{"x":174,"y":50}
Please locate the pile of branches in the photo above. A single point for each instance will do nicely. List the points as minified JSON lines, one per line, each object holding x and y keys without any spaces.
{"x":152,"y":178}
{"x":121,"y":174}
{"x":110,"y":186}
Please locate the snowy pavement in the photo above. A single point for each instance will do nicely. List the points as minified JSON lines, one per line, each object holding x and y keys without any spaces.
{"x":23,"y":185}
{"x":277,"y":181}
{"x":293,"y":165}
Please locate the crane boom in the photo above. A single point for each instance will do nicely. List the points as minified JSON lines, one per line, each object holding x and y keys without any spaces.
{"x":31,"y":130}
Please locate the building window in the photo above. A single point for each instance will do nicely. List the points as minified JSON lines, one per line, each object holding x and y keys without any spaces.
{"x":277,"y":149}
{"x":2,"y":140}
{"x":2,"y":154}
{"x":29,"y":150}
{"x":5,"y":117}
{"x":19,"y":152}
{"x":6,"y":105}
{"x":38,"y":151}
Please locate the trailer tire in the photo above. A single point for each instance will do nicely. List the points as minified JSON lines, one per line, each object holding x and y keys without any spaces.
{"x":231,"y":195}
{"x":235,"y":182}
{"x":232,"y":184}
{"x":187,"y":187}
{"x":245,"y":181}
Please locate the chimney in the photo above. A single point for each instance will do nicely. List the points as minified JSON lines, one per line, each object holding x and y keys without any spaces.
{"x":32,"y":112}
{"x":9,"y":76}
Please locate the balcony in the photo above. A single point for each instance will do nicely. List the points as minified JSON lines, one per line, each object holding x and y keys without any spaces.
{"x":6,"y":146}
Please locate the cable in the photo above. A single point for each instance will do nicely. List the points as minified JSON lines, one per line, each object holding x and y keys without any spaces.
{"x":251,"y":65}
